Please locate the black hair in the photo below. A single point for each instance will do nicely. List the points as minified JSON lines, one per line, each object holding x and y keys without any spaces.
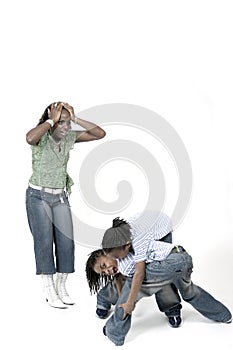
{"x":95,"y":280}
{"x":117,"y":222}
{"x":45,"y":115}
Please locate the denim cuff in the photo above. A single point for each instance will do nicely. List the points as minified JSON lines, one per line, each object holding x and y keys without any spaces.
{"x":117,"y":341}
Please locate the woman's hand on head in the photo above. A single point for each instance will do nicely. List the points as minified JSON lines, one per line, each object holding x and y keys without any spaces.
{"x":70,"y":109}
{"x":54,"y":112}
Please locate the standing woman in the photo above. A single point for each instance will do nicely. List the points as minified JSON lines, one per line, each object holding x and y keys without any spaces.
{"x":47,"y":204}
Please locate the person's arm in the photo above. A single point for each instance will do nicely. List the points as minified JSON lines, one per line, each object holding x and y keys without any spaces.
{"x":135,"y":287}
{"x":34,"y":135}
{"x":119,"y":283}
{"x":91,"y":132}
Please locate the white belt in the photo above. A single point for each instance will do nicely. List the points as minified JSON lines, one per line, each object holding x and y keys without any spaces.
{"x":47,"y":189}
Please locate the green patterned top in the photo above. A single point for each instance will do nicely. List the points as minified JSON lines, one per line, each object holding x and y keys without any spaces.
{"x":49,"y":162}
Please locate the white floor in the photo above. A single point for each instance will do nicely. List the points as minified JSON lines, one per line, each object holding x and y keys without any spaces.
{"x":27,"y":322}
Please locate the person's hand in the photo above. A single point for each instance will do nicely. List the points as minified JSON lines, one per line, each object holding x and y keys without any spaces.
{"x":70,"y":109}
{"x":54,"y":112}
{"x":128,"y":308}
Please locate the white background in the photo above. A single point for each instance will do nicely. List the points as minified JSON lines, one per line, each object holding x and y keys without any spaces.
{"x":173,"y":57}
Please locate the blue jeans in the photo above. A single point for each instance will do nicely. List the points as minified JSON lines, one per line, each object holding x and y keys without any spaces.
{"x":51,"y":225}
{"x":177,"y":269}
{"x":167,"y":298}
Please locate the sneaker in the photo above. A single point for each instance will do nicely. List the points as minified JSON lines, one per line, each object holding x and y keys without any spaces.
{"x":174,"y":321}
{"x":102,"y":313}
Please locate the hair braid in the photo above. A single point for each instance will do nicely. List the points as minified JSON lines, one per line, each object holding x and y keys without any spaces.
{"x":95,"y":280}
{"x":45,"y":115}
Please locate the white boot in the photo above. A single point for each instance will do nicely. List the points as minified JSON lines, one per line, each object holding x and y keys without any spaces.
{"x":51,"y":295}
{"x":61,"y":288}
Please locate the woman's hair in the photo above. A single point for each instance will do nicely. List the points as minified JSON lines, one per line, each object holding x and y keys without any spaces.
{"x":45,"y":115}
{"x":95,"y":280}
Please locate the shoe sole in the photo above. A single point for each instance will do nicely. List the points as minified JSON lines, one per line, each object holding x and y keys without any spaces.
{"x":175,"y":325}
{"x":57,"y":307}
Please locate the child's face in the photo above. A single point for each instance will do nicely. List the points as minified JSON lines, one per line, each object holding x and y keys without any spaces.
{"x":119,"y":253}
{"x":106,"y":265}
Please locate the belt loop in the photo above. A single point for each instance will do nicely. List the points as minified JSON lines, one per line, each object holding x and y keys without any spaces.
{"x":61,"y":198}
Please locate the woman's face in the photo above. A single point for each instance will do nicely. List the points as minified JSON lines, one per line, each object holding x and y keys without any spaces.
{"x":106,"y":265}
{"x":61,"y":128}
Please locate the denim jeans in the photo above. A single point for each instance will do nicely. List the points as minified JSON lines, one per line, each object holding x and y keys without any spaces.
{"x":51,"y":225}
{"x":177,"y":269}
{"x":167,"y":298}
{"x":107,"y":296}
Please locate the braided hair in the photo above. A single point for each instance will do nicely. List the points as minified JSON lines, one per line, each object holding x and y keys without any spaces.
{"x":95,"y":280}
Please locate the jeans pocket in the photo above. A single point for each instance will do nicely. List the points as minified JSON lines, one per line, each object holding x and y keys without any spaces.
{"x":32,"y":193}
{"x":187,"y":275}
{"x":188,"y":268}
{"x":65,"y":199}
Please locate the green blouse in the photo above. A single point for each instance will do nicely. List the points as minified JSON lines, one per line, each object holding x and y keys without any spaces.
{"x":49,"y":162}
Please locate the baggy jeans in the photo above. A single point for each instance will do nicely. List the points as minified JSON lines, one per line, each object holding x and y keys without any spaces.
{"x":167,"y":298}
{"x":50,"y":222}
{"x":177,"y":269}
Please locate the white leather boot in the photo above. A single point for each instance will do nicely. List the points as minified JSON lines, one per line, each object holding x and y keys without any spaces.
{"x":51,"y":294}
{"x":61,"y":288}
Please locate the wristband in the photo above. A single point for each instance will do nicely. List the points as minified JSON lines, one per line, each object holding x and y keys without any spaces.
{"x":51,"y":122}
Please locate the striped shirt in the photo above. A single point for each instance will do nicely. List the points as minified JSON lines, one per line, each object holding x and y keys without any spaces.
{"x":146,"y":230}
